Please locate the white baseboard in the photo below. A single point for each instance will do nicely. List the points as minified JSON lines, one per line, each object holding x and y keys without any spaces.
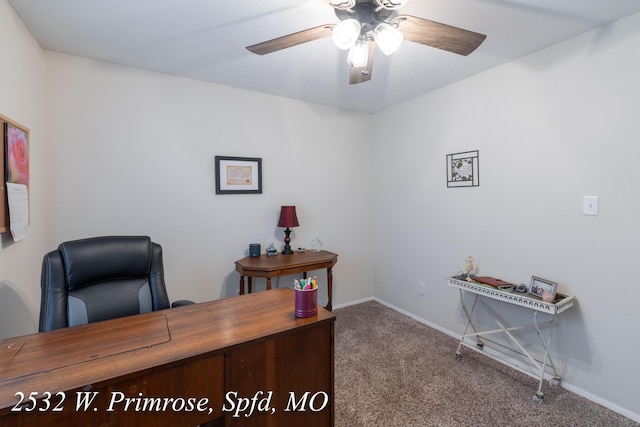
{"x":354,"y":302}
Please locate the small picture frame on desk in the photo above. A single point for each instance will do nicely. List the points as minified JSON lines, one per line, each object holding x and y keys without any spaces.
{"x":539,"y":285}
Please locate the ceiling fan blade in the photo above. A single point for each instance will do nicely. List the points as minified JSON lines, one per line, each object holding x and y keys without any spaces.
{"x":435,"y":34}
{"x":290,"y":40}
{"x":363,"y":74}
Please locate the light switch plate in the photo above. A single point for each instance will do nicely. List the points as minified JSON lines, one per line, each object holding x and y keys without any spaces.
{"x":590,"y":205}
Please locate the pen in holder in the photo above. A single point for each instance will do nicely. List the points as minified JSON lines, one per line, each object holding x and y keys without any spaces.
{"x":306,"y":298}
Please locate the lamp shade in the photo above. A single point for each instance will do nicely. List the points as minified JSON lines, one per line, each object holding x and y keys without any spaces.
{"x":388,"y":38}
{"x":346,"y":33}
{"x":288,"y":217}
{"x":359,"y":54}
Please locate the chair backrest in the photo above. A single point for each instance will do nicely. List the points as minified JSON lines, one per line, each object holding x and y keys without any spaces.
{"x":101,"y":278}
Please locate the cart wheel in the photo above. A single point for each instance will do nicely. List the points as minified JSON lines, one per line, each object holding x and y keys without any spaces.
{"x":555,"y":381}
{"x":458,"y":355}
{"x":538,"y":397}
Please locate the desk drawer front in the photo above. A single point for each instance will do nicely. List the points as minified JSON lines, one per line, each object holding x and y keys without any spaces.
{"x":297,"y":364}
{"x":159,"y":398}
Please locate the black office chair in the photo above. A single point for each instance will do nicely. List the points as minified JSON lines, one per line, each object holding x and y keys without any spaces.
{"x":102,"y":278}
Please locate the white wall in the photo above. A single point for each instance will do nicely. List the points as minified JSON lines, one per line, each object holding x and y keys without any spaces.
{"x":21,"y":100}
{"x":550,"y":128}
{"x":129,"y":151}
{"x":132,"y":152}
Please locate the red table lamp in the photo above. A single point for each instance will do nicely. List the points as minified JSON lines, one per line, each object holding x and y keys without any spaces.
{"x":287,"y":219}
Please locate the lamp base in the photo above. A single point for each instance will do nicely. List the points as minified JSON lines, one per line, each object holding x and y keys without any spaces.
{"x":287,"y":248}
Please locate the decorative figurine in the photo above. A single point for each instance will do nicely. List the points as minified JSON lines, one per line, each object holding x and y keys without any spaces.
{"x":271,"y":250}
{"x":316,"y":245}
{"x":468,"y":266}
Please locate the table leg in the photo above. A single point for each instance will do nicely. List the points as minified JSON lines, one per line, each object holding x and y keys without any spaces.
{"x":268,"y":283}
{"x":469,"y":315}
{"x":249,"y":284}
{"x":329,"y":305}
{"x":241,"y":287}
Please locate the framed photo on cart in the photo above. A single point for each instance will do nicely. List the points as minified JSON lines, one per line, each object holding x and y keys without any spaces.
{"x":238,"y":175}
{"x":539,"y":285}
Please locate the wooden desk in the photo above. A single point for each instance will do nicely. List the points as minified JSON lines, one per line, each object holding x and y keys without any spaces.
{"x":242,"y":347}
{"x":283,"y":265}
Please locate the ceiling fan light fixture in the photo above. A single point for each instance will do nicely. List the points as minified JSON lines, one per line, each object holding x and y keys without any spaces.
{"x":346,"y":33}
{"x":359,"y":53}
{"x":388,"y":38}
{"x":342,"y":4}
{"x":391,"y":4}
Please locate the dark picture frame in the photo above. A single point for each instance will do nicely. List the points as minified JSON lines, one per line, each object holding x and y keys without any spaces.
{"x":238,"y":175}
{"x":463,"y":169}
{"x":538,"y":285}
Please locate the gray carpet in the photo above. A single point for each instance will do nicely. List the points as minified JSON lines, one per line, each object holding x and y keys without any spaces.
{"x":391,"y":370}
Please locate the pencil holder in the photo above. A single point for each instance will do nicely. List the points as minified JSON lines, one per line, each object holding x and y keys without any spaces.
{"x":306,"y":302}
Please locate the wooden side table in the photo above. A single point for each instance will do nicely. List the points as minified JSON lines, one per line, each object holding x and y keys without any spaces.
{"x":283,"y":265}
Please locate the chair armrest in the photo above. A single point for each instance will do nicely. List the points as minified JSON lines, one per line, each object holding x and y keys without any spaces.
{"x":181,"y":302}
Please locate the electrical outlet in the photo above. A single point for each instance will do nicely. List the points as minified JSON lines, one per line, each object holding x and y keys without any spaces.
{"x":422,"y":288}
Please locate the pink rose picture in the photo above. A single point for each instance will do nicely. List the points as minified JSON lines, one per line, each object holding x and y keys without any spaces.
{"x":17,"y":155}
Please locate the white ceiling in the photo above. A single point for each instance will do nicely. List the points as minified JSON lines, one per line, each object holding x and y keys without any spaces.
{"x":206,"y":39}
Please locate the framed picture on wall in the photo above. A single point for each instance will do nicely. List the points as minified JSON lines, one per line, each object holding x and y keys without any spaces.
{"x":15,"y":171}
{"x":16,"y":145}
{"x":238,"y":175}
{"x":539,"y":285}
{"x":462,"y":169}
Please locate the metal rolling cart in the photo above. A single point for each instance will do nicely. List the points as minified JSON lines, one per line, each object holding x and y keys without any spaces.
{"x":561,"y":303}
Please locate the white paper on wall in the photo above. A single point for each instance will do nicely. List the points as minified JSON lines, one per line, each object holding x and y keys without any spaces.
{"x":18,"y":198}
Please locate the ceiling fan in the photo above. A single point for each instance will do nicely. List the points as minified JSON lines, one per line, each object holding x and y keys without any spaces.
{"x":365,"y":24}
